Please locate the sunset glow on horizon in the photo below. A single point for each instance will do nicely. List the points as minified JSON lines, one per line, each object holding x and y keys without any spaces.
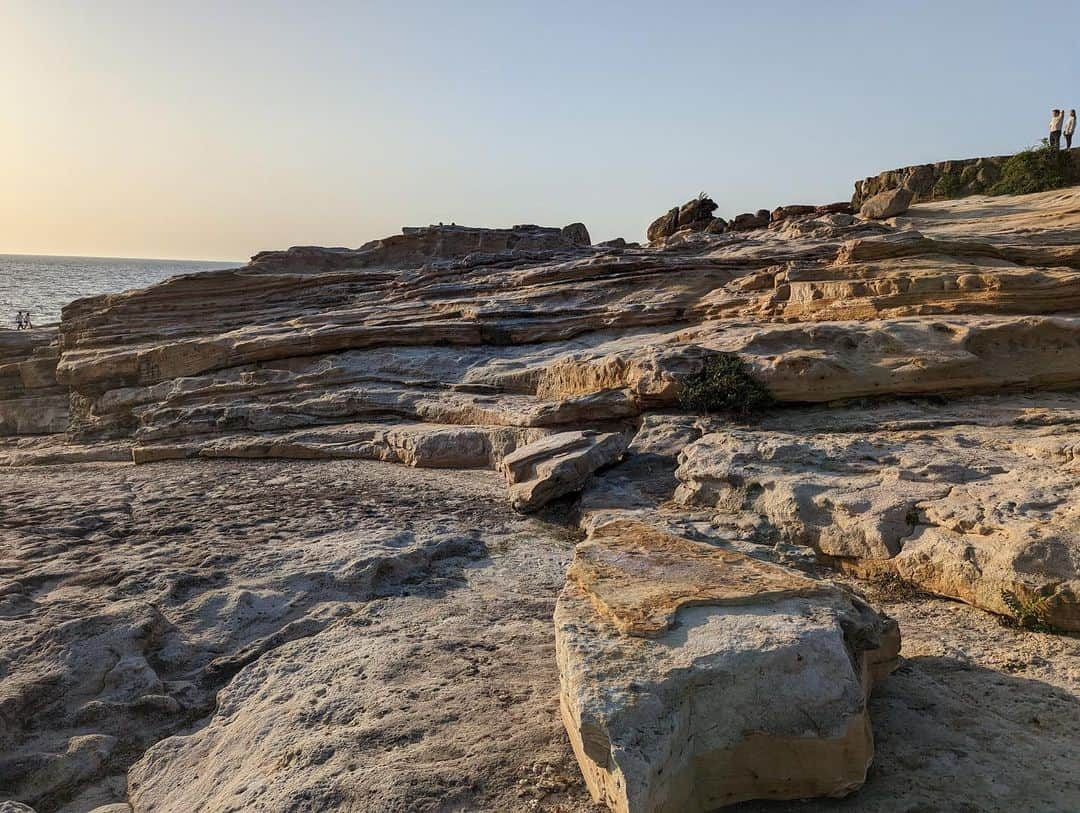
{"x":204,"y":132}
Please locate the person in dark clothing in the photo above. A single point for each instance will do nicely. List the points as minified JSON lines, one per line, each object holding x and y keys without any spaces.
{"x":1070,"y":128}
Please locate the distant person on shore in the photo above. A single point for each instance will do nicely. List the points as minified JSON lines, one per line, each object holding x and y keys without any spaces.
{"x":26,"y":323}
{"x":18,"y":321}
{"x":1070,"y":128}
{"x":1055,"y":128}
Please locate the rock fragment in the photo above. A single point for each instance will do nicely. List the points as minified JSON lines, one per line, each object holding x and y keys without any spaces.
{"x":558,"y":464}
{"x":577,"y":234}
{"x":889,"y":203}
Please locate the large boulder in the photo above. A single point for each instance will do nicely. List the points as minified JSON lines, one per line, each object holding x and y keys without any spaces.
{"x":694,"y":677}
{"x":696,"y":214}
{"x":751,"y":220}
{"x":577,"y":234}
{"x":558,"y":464}
{"x":889,"y":203}
{"x":664,"y":226}
{"x":781,"y":213}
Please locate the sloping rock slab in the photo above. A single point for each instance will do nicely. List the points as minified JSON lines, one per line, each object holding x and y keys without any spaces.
{"x":640,"y":577}
{"x":558,"y":464}
{"x":983,"y":513}
{"x":753,"y":686}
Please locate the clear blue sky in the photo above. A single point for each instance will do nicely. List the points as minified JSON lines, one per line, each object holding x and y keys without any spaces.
{"x":213,"y":130}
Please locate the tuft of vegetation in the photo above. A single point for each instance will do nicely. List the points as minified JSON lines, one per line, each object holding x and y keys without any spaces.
{"x":1029,"y":614}
{"x":724,"y":386}
{"x":948,"y":185}
{"x":1038,"y":169}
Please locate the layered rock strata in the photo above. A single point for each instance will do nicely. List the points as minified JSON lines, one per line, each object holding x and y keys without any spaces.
{"x":31,"y":400}
{"x":528,"y":351}
{"x":945,"y":179}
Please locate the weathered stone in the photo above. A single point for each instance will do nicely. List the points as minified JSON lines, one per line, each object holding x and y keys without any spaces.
{"x":453,"y":347}
{"x":664,"y":226}
{"x":750,"y":220}
{"x":887,"y":204}
{"x":558,"y":464}
{"x":782,"y":213}
{"x":696,"y":214}
{"x":924,"y":179}
{"x":694,"y":677}
{"x":414,"y":247}
{"x":979,"y":510}
{"x":842,"y":207}
{"x":407,"y":611}
{"x":577,"y":233}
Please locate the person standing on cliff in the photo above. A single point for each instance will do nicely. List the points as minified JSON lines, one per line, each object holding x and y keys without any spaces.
{"x":1070,"y":128}
{"x":1055,"y":128}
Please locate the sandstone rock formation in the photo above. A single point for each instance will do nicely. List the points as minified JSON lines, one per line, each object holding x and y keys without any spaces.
{"x":558,"y":464}
{"x":693,"y":216}
{"x":751,"y":220}
{"x":31,"y":402}
{"x":976,"y":506}
{"x":577,"y":233}
{"x":667,"y":717}
{"x":945,"y":179}
{"x":925,"y":369}
{"x":890,"y":203}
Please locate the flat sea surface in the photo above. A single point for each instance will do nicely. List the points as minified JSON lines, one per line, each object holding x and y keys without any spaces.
{"x":43,"y":285}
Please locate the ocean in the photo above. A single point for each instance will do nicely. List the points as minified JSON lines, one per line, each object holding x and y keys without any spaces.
{"x":43,"y":285}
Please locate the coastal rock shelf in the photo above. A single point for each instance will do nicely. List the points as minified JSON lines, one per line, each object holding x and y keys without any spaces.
{"x":233,"y":619}
{"x":31,"y":400}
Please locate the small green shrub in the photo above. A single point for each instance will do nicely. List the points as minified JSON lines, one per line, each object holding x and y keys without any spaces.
{"x":948,"y":185}
{"x":724,"y":385}
{"x":1029,"y":614}
{"x":1038,"y":169}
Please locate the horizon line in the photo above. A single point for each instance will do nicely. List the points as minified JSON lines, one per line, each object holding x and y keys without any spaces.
{"x":116,"y":257}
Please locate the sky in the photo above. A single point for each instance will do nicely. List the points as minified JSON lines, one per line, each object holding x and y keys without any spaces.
{"x":215,"y":130}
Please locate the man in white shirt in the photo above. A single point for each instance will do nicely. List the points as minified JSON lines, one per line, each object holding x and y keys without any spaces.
{"x":1055,"y":128}
{"x":1070,"y":128}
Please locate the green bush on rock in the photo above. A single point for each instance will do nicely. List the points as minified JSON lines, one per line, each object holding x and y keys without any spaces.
{"x":948,"y":185}
{"x":1038,"y":169}
{"x":724,"y":385}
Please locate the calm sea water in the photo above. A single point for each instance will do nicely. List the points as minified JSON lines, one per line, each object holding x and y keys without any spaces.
{"x":43,"y":285}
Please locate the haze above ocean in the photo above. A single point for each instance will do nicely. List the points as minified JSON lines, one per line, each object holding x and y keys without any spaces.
{"x":43,"y":285}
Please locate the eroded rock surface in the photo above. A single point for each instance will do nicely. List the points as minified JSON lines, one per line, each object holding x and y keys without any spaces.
{"x":675,"y":717}
{"x":889,"y":203}
{"x":976,"y":500}
{"x":31,"y":401}
{"x":277,"y":635}
{"x":558,"y":464}
{"x":171,"y":635}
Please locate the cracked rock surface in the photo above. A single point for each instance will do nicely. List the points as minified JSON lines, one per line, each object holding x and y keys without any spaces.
{"x":277,"y":636}
{"x":216,"y":594}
